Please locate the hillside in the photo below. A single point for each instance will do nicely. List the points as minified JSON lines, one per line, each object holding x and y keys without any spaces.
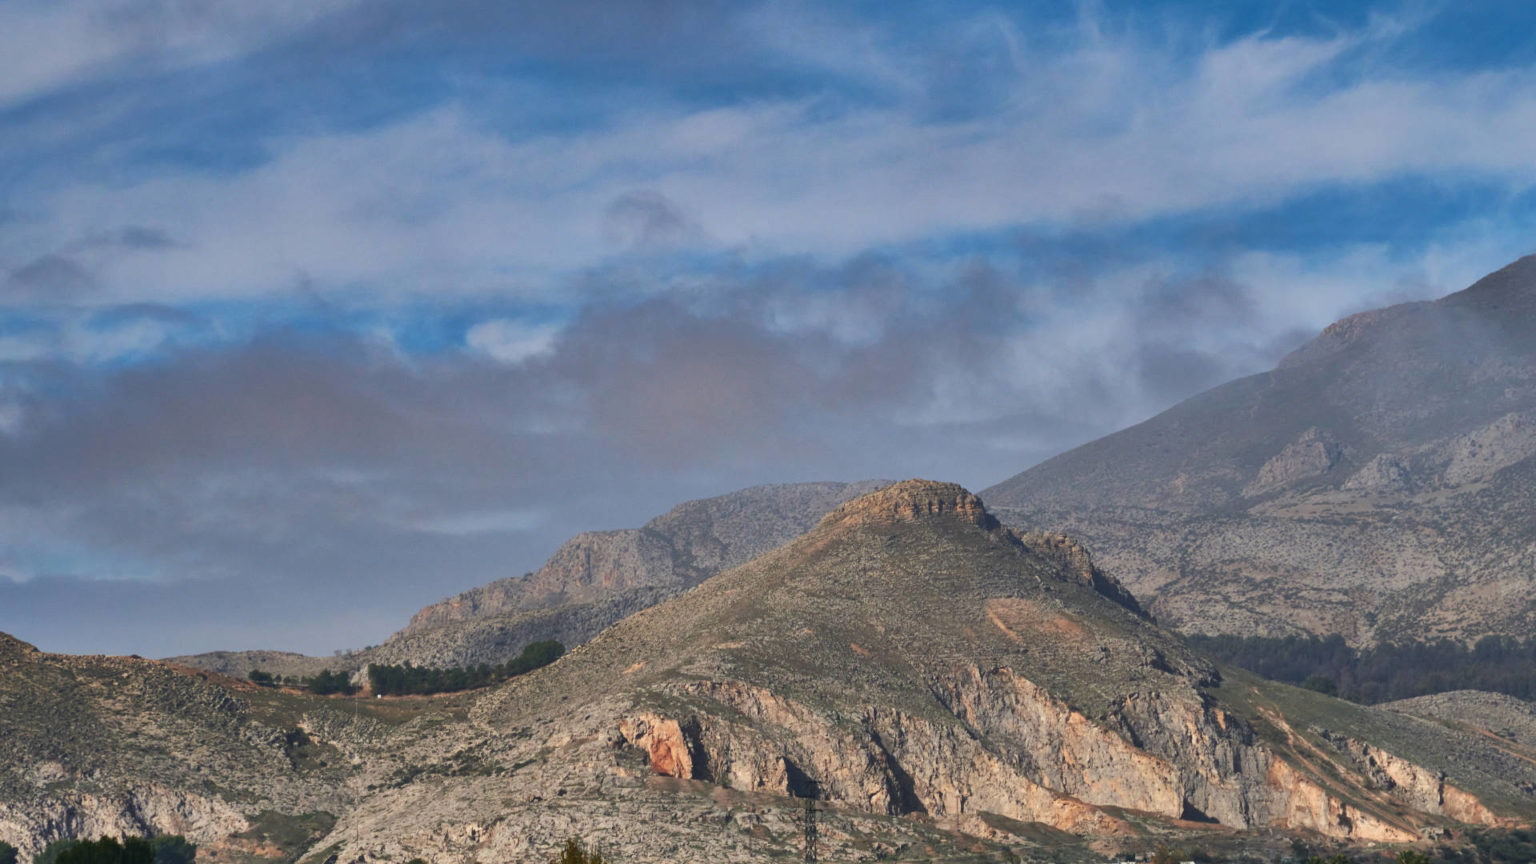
{"x":940,"y":684}
{"x":1380,"y":483}
{"x":909,"y":657}
{"x":113,"y":745}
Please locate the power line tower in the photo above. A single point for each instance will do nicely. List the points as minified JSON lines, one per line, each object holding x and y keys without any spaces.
{"x":809,"y":819}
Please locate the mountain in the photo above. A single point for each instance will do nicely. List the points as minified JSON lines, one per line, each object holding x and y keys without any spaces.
{"x":909,"y":657}
{"x":113,"y":745}
{"x":1380,"y":483}
{"x":599,"y":577}
{"x":940,"y":684}
{"x":593,"y":580}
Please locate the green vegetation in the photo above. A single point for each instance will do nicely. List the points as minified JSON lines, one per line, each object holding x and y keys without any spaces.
{"x":575,"y":853}
{"x":1488,"y":846}
{"x":166,"y":849}
{"x":7,"y":853}
{"x":1499,"y":664}
{"x":328,"y":682}
{"x":323,"y":684}
{"x":396,"y":680}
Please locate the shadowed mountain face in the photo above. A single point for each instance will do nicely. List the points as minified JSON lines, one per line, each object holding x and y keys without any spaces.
{"x":908,"y":657}
{"x":1380,"y":483}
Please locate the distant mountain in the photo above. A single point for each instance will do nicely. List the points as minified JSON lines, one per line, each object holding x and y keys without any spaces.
{"x":593,"y":580}
{"x":599,"y":577}
{"x":1380,"y":483}
{"x":942,"y":686}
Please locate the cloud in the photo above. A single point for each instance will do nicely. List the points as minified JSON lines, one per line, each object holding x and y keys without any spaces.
{"x":322,"y":470}
{"x":510,"y":341}
{"x":275,"y":356}
{"x":1107,"y":130}
{"x":49,"y":45}
{"x":481,"y":522}
{"x":647,"y":219}
{"x":50,"y":278}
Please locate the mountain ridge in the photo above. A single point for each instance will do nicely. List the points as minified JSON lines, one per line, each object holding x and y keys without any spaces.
{"x":1375,"y":484}
{"x":940,"y":683}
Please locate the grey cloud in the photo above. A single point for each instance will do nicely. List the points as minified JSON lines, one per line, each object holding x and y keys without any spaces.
{"x":51,"y":278}
{"x":141,"y":237}
{"x":647,"y":219}
{"x":320,"y":472}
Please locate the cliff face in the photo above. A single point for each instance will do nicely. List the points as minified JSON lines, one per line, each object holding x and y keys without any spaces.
{"x":1380,"y":483}
{"x":939,"y":684}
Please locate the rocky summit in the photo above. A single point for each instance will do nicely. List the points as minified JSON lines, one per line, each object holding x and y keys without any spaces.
{"x":934,"y":682}
{"x":1379,"y":484}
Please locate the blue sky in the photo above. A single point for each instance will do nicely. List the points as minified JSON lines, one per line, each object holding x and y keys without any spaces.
{"x":314,"y":312}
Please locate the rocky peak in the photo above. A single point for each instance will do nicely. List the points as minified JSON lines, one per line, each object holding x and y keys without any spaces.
{"x":911,"y":501}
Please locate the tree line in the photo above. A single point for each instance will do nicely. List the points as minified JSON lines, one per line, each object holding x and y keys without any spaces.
{"x":1500,"y":664}
{"x":323,"y":683}
{"x":387,"y":680}
{"x":164,"y":849}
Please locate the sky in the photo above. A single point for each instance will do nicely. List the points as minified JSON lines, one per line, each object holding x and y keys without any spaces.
{"x":315,"y":311}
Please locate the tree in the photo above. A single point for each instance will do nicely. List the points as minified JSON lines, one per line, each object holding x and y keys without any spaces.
{"x":107,"y":850}
{"x":328,"y":682}
{"x":173,"y":849}
{"x":1322,"y":684}
{"x":51,"y":852}
{"x":264,"y":679}
{"x":166,"y":849}
{"x":1410,"y":856}
{"x":7,"y":853}
{"x":574,"y":853}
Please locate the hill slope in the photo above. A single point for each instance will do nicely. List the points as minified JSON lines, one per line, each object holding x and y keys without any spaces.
{"x":911,"y":657}
{"x":940,"y":684}
{"x":114,"y":745}
{"x":1380,"y":483}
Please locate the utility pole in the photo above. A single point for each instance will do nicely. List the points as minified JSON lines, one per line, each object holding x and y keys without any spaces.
{"x":810,"y":830}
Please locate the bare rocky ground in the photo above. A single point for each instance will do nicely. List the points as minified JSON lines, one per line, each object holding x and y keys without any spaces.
{"x":1380,"y":483}
{"x":943,"y":687}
